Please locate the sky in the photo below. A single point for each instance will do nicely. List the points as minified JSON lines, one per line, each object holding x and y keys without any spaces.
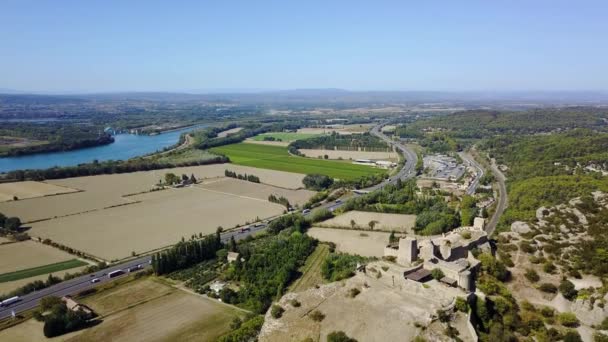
{"x":201,"y":46}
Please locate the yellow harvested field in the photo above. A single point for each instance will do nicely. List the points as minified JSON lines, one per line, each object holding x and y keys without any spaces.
{"x":99,"y":192}
{"x":225,"y":133}
{"x":256,"y":190}
{"x":270,"y":143}
{"x":9,"y":286}
{"x":337,"y":154}
{"x":27,"y":254}
{"x":30,"y":189}
{"x":127,"y":295}
{"x":387,"y":222}
{"x":364,"y":243}
{"x":157,"y":220}
{"x":178,"y":316}
{"x":340,"y":129}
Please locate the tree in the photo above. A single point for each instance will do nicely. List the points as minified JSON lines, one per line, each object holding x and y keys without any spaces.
{"x":48,"y":302}
{"x":232,"y":244}
{"x":353,"y":224}
{"x":193,"y":179}
{"x":2,"y":219}
{"x":12,"y":223}
{"x":568,"y":319}
{"x":531,"y":275}
{"x":567,"y":290}
{"x":372,"y":224}
{"x":339,"y":336}
{"x":392,"y":238}
{"x":171,"y":178}
{"x":317,"y":182}
{"x":437,"y":274}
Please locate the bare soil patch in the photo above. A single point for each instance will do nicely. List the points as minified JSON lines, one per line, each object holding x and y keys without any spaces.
{"x":30,"y":189}
{"x":339,"y":154}
{"x":364,"y":243}
{"x":386,"y":222}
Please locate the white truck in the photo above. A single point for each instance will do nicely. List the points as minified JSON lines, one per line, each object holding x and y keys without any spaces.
{"x":10,"y":301}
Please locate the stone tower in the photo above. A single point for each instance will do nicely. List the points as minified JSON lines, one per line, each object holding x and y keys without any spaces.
{"x":408,"y":251}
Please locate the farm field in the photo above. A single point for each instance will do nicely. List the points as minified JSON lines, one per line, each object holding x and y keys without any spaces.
{"x":277,"y":158}
{"x":311,"y":271}
{"x":340,"y":129}
{"x":103,"y":191}
{"x":158,"y":219}
{"x":285,"y":136}
{"x":176,"y":316}
{"x":227,"y":132}
{"x":45,"y":269}
{"x":336,"y":154}
{"x":30,"y":189}
{"x":29,"y":254}
{"x":13,"y":285}
{"x":255,"y":190}
{"x":364,"y":243}
{"x":127,"y":295}
{"x":387,"y":222}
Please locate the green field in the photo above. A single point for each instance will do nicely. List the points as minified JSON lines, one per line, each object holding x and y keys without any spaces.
{"x":277,"y":158}
{"x":35,"y":271}
{"x":287,"y":137}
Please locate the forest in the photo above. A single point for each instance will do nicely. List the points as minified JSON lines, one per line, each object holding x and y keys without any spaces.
{"x":352,"y":142}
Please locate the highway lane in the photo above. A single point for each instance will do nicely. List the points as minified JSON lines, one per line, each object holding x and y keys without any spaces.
{"x":76,"y":285}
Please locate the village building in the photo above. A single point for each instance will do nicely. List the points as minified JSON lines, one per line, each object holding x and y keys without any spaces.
{"x":449,"y":252}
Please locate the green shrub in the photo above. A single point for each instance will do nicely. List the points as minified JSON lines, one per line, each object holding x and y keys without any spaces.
{"x":531,"y":275}
{"x":339,"y":336}
{"x":317,"y":316}
{"x":354,"y":292}
{"x":567,"y":290}
{"x":548,"y":287}
{"x":568,"y":319}
{"x":437,"y":274}
{"x":276,"y":311}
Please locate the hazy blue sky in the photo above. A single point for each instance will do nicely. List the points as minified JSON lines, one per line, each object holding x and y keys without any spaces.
{"x":372,"y":45}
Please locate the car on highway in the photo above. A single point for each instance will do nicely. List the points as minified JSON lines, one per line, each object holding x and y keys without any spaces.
{"x":95,"y":280}
{"x":305,"y":211}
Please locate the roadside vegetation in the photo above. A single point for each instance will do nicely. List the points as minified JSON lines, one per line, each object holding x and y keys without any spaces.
{"x":46,"y":269}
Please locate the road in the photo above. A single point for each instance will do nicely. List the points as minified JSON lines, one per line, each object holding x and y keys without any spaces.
{"x":76,"y":285}
{"x":475,"y":183}
{"x":502,"y":202}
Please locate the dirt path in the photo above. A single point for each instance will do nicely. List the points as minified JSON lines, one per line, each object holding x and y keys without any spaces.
{"x":502,"y":202}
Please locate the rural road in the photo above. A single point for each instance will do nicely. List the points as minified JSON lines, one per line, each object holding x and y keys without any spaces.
{"x":76,"y":285}
{"x":502,"y":203}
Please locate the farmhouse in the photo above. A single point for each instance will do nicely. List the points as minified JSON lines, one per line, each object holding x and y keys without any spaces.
{"x":75,"y":306}
{"x":449,"y":253}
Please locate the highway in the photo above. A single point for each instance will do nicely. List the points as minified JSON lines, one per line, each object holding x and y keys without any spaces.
{"x":76,"y":285}
{"x":475,"y":183}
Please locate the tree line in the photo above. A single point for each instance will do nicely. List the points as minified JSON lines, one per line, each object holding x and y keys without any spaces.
{"x":249,"y":178}
{"x":186,"y":254}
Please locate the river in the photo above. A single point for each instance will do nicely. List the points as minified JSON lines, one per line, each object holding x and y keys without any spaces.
{"x":125,"y":146}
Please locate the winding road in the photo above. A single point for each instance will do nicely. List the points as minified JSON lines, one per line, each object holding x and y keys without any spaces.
{"x":502,"y":202}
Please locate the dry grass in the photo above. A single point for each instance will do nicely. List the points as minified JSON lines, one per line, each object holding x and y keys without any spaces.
{"x":351,"y":241}
{"x":386,"y":222}
{"x":311,"y":271}
{"x":27,"y":254}
{"x":269,"y":143}
{"x":127,"y":295}
{"x":159,"y":219}
{"x":178,"y":316}
{"x":337,"y":154}
{"x":108,"y":190}
{"x":30,"y":189}
{"x":225,"y":133}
